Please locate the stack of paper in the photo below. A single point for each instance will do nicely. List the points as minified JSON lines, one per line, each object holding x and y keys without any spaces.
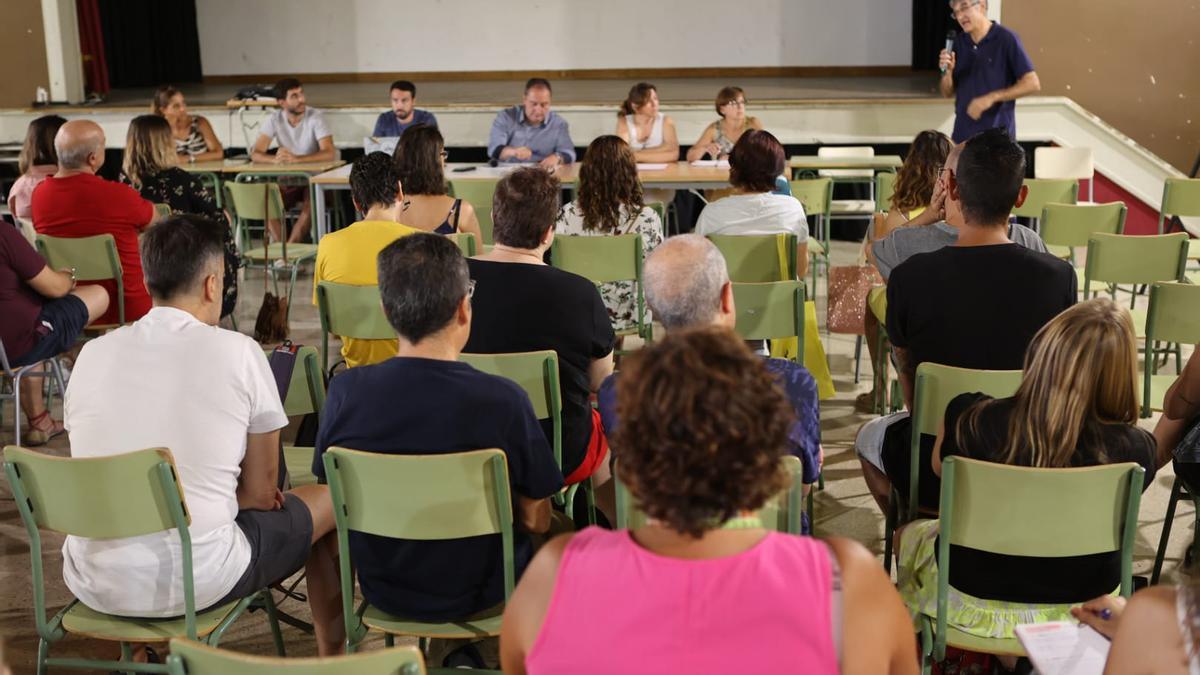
{"x":651,"y":166}
{"x":718,"y":163}
{"x":1064,"y":648}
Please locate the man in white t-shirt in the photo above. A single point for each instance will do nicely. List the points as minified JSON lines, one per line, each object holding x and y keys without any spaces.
{"x":174,"y":379}
{"x":756,"y":161}
{"x":302,"y":135}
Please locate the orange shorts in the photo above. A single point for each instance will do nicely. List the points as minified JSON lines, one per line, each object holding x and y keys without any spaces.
{"x":597,"y":452}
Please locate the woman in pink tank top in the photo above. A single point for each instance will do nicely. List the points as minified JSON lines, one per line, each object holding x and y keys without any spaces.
{"x":702,"y":586}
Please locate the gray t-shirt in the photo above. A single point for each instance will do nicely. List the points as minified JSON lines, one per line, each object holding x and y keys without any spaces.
{"x":302,"y":139}
{"x":905,"y":242}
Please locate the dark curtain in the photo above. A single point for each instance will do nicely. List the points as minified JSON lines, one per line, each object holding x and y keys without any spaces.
{"x":91,"y":47}
{"x":150,"y":42}
{"x":931,"y":20}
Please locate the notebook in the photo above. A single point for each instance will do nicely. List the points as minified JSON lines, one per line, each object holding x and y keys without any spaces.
{"x":1064,"y":648}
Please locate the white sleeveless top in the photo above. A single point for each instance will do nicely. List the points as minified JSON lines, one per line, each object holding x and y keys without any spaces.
{"x":1184,"y":598}
{"x":656,"y":133}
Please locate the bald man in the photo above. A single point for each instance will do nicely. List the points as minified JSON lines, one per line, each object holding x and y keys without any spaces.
{"x":687,"y":284}
{"x":75,"y":202}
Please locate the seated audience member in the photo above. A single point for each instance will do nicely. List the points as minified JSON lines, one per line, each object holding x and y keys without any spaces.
{"x":1156,"y":631}
{"x":687,"y":285}
{"x":608,"y":201}
{"x":752,"y":208}
{"x":974,"y":304}
{"x":421,"y":156}
{"x":522,"y":304}
{"x":75,"y":202}
{"x":915,"y":181}
{"x":1046,"y":425}
{"x":404,"y":113}
{"x":718,"y":138}
{"x":1181,"y":414}
{"x":699,"y":404}
{"x":44,"y":313}
{"x":207,"y":395}
{"x":348,"y":255}
{"x":531,"y":132}
{"x":193,"y":136}
{"x":424,"y":401}
{"x":36,"y":161}
{"x":150,"y":166}
{"x":302,"y":135}
{"x":648,"y":132}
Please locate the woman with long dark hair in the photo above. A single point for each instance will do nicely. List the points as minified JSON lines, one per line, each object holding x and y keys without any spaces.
{"x":421,"y":156}
{"x":195,"y":140}
{"x":37,"y":160}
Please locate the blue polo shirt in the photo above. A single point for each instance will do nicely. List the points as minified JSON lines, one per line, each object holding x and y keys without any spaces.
{"x":388,"y":126}
{"x":997,"y":62}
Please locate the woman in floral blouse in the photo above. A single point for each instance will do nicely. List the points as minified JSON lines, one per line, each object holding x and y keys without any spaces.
{"x":609,"y":201}
{"x":150,"y":166}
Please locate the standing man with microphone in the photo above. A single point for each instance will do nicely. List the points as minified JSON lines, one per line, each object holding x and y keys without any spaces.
{"x":986,"y":69}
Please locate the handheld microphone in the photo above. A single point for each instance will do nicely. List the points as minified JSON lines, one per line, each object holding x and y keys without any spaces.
{"x":949,"y":45}
{"x":494,"y":160}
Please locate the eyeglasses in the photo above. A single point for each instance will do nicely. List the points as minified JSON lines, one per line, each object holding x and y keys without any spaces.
{"x":444,"y":154}
{"x":471,"y":288}
{"x":740,"y":103}
{"x":961,"y":8}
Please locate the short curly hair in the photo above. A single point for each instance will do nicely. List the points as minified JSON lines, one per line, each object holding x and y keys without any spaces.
{"x":703,"y":429}
{"x":524,"y":206}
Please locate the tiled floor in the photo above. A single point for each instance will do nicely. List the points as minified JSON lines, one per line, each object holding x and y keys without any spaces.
{"x":844,"y":508}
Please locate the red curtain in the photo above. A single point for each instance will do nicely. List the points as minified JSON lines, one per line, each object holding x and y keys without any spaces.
{"x":91,"y":46}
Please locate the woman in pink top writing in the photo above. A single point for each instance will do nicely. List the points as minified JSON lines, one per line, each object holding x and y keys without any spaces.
{"x":702,"y":586}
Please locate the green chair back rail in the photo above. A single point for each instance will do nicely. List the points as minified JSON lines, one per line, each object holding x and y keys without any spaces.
{"x":885,"y":187}
{"x":771,"y":311}
{"x":1025,"y":511}
{"x":194,"y":658}
{"x":94,"y":259}
{"x":756,"y":258}
{"x":537,"y":374}
{"x":1181,"y":197}
{"x":603,"y":259}
{"x":350,"y":311}
{"x":1128,"y":259}
{"x":815,"y":194}
{"x":477,"y":193}
{"x":1044,"y":191}
{"x":1074,"y":224}
{"x":465,"y":241}
{"x":1173,"y":317}
{"x":250,"y":201}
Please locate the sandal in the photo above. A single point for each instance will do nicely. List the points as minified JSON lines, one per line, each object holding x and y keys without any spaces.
{"x":865,"y":402}
{"x":37,"y":436}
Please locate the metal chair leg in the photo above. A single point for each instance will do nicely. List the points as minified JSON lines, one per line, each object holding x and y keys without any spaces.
{"x":1168,"y":520}
{"x":858,"y":343}
{"x":889,"y":531}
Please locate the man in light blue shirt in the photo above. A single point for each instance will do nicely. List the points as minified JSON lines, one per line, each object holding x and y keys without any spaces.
{"x":530,"y":132}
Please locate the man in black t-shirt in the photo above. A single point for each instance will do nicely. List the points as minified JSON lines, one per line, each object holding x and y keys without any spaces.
{"x":424,"y":401}
{"x":975,"y":304}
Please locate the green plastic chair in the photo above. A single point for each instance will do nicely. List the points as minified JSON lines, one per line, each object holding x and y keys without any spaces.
{"x":816,"y":194}
{"x":418,"y":498}
{"x":305,"y":395}
{"x":1022,"y":511}
{"x":1044,"y":191}
{"x":935,"y":386}
{"x":262,"y":202}
{"x":885,"y":187}
{"x":194,"y":658}
{"x":769,"y":311}
{"x":478,"y":193}
{"x":1066,"y":227}
{"x":781,"y":513}
{"x":604,"y":259}
{"x":94,"y":259}
{"x":1114,"y":259}
{"x":755,"y":258}
{"x":1173,"y":318}
{"x":126,"y":495}
{"x":351,"y":312}
{"x":465,"y":241}
{"x":1181,"y":197}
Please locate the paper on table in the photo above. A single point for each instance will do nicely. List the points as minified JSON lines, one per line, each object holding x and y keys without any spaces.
{"x":651,"y":166}
{"x":718,"y":163}
{"x":1064,"y":648}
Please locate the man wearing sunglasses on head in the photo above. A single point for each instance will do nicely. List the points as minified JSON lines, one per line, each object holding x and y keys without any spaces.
{"x":986,"y":71}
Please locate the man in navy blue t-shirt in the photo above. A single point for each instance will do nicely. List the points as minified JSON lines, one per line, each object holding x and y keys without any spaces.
{"x":986,"y":71}
{"x":424,"y":401}
{"x":404,"y":112}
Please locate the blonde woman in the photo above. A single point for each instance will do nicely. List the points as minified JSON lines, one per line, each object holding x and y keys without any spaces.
{"x":1077,"y":406}
{"x":718,"y":138}
{"x":195,"y":140}
{"x":151,"y":167}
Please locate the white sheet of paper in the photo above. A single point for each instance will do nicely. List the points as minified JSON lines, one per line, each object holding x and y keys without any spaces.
{"x":1064,"y":648}
{"x":651,"y":166}
{"x":718,"y":163}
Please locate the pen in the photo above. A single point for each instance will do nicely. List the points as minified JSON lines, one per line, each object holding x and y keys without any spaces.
{"x":1106,"y":614}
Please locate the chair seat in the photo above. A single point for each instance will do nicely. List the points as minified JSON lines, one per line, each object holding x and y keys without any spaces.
{"x":83,"y":620}
{"x":1193,"y":277}
{"x":299,"y":465}
{"x":1057,"y":251}
{"x":843,"y":207}
{"x":973,"y":643}
{"x":275,"y":251}
{"x":485,"y":626}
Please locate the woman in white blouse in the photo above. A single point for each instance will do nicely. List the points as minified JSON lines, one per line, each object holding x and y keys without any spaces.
{"x":649,"y":133}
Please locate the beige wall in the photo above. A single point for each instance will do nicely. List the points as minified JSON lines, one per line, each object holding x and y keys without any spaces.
{"x":23,"y":53}
{"x":1133,"y":64}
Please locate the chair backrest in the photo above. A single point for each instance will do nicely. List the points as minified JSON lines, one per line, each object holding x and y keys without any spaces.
{"x":465,"y":241}
{"x":112,"y":497}
{"x":1174,"y":313}
{"x":196,"y":658}
{"x":885,"y":187}
{"x":306,"y":391}
{"x":94,"y":258}
{"x":478,"y":193}
{"x":848,"y":151}
{"x":771,"y":310}
{"x":757,"y":258}
{"x":353,"y":311}
{"x":537,"y":374}
{"x":247,"y":201}
{"x":1059,"y":162}
{"x":781,"y":513}
{"x":1181,"y":197}
{"x":1073,"y":224}
{"x":1044,"y":191}
{"x":816,"y":194}
{"x":1129,"y":259}
{"x":599,"y":259}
